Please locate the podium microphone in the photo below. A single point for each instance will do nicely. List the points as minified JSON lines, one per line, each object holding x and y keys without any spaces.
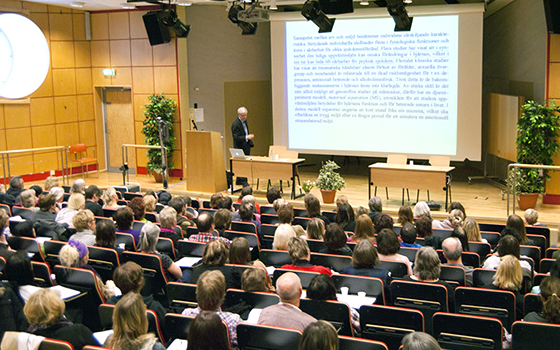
{"x":194,"y":124}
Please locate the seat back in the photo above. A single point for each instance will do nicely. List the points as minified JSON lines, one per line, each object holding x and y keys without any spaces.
{"x":255,"y":299}
{"x":151,"y":217}
{"x":442,"y":233}
{"x":453,"y":331}
{"x":335,"y":262}
{"x":304,"y":276}
{"x":181,"y":296}
{"x":398,"y":159}
{"x":532,"y":302}
{"x":492,"y":237}
{"x":275,"y":258}
{"x":130,"y":195}
{"x":532,"y":335}
{"x":52,"y":249}
{"x":300,"y":212}
{"x":270,"y":219}
{"x":491,"y":227}
{"x":409,"y":252}
{"x":77,"y":148}
{"x":499,"y":304}
{"x":109,"y":213}
{"x":398,"y":269}
{"x":374,"y":287}
{"x":53,"y":344}
{"x":25,"y":213}
{"x":533,"y":253}
{"x":193,"y":249}
{"x":469,"y":258}
{"x":177,"y":325}
{"x":260,"y":337}
{"x":243,"y":226}
{"x":104,"y":261}
{"x":106,"y":317}
{"x":315,"y":245}
{"x":251,"y":238}
{"x":352,"y":343}
{"x":137,"y":225}
{"x":331,"y":215}
{"x":127,"y":239}
{"x":455,"y":275}
{"x":428,"y":298}
{"x":28,"y":244}
{"x":41,"y":274}
{"x":439,"y":161}
{"x":165,"y":245}
{"x":389,"y":324}
{"x":539,"y":230}
{"x":483,"y":277}
{"x":481,"y":248}
{"x":155,"y":276}
{"x":334,"y":312}
{"x":6,"y":208}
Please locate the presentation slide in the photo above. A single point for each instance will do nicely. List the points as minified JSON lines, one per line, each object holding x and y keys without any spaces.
{"x":367,"y":90}
{"x":386,"y":91}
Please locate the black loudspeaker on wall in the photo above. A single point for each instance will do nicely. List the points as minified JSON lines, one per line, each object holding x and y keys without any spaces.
{"x":158,"y":33}
{"x":552,"y":14}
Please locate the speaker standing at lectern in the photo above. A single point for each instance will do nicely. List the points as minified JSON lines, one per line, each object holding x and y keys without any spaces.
{"x":240,"y":131}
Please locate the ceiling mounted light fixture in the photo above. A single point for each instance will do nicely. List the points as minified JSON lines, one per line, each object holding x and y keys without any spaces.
{"x":78,"y":4}
{"x":311,"y":10}
{"x":184,"y":3}
{"x":127,"y":6}
{"x":364,"y":3}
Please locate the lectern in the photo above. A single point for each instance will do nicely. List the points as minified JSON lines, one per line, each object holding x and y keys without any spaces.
{"x":206,"y":170}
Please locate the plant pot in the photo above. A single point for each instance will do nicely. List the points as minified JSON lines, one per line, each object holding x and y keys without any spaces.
{"x":328,"y":196}
{"x":527,"y":200}
{"x":158,"y":177}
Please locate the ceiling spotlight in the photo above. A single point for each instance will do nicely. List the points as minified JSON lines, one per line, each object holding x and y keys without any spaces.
{"x":184,"y":3}
{"x":407,"y":1}
{"x":127,"y":6}
{"x":169,"y":18}
{"x":364,"y":3}
{"x":78,"y":4}
{"x":247,"y":28}
{"x":273,"y":5}
{"x":397,"y":10}
{"x":311,"y":10}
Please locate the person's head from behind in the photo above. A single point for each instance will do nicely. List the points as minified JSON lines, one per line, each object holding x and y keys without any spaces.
{"x":456,"y":217}
{"x":419,"y":341}
{"x":335,"y":238}
{"x":516,"y":222}
{"x":178,"y":204}
{"x":424,"y":227}
{"x":129,"y":277}
{"x":168,"y":218}
{"x":19,"y":270}
{"x":74,"y":254}
{"x":129,"y":321}
{"x":150,"y":203}
{"x":375,"y":205}
{"x":51,"y":182}
{"x":110,"y":196}
{"x":285,"y":214}
{"x":138,"y":208}
{"x":46,"y":203}
{"x":149,"y":236}
{"x":76,"y":201}
{"x":239,"y":252}
{"x":44,"y":308}
{"x":427,"y":266}
{"x":388,"y":242}
{"x":282,"y":235}
{"x":364,"y":228}
{"x":16,"y":182}
{"x":215,"y":199}
{"x":531,"y":216}
{"x":459,"y":232}
{"x":84,"y":220}
{"x":383,"y":221}
{"x":345,"y":214}
{"x":288,"y":287}
{"x":320,"y":335}
{"x":215,"y":253}
{"x":408,"y":233}
{"x":211,"y":290}
{"x":550,"y":295}
{"x":225,"y":203}
{"x":207,"y":331}
{"x":246,"y":211}
{"x":422,"y":209}
{"x":365,"y":255}
{"x":298,"y":249}
{"x":280,"y":202}
{"x":509,"y":275}
{"x":78,"y":186}
{"x":452,"y":249}
{"x":105,"y":234}
{"x":4,"y":220}
{"x":472,"y":230}
{"x":27,"y":198}
{"x":555,"y":269}
{"x":457,"y":206}
{"x":254,"y":280}
{"x":312,"y":205}
{"x":205,"y":223}
{"x":405,"y":215}
{"x":246,"y":191}
{"x":124,"y":217}
{"x":222,"y":219}
{"x":315,"y":229}
{"x":93,"y":193}
{"x":24,"y":229}
{"x":508,"y":245}
{"x":272,"y":194}
{"x":321,"y":287}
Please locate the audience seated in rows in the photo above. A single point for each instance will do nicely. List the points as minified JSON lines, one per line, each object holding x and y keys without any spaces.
{"x":84,"y":222}
{"x":124,"y":219}
{"x":287,"y":313}
{"x":227,"y":203}
{"x":222,"y":220}
{"x":110,"y":198}
{"x":248,"y":191}
{"x":19,"y":273}
{"x":457,"y":205}
{"x":422,"y":209}
{"x":419,"y":341}
{"x":345,"y":217}
{"x":375,"y":207}
{"x":473,"y":230}
{"x":364,"y":261}
{"x":150,"y":203}
{"x":215,"y":257}
{"x":454,"y":219}
{"x":405,"y":215}
{"x":75,"y":203}
{"x":424,"y":230}
{"x":335,"y":241}
{"x":508,"y":245}
{"x":408,"y":236}
{"x":315,"y":229}
{"x":240,"y":254}
{"x":28,"y":200}
{"x":532,"y":217}
{"x":246,"y":214}
{"x":388,"y":246}
{"x":168,"y":220}
{"x":58,"y":193}
{"x":256,"y":280}
{"x":453,"y":251}
{"x":364,"y":230}
{"x":78,"y":186}
{"x":16,"y":187}
{"x":300,"y":255}
{"x":180,"y":207}
{"x":516,"y":222}
{"x":509,"y":276}
{"x":320,"y":335}
{"x":5,"y":250}
{"x":550,"y":296}
{"x":282,"y":235}
{"x":313,"y":208}
{"x":50,"y":182}
{"x":205,"y":225}
{"x":149,"y":236}
{"x":105,"y":236}
{"x":138,"y":209}
{"x":383,"y":221}
{"x":205,"y":324}
{"x":92,"y":195}
{"x":272,"y":194}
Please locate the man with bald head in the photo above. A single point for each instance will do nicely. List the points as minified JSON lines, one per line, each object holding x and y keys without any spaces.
{"x":453,"y":251}
{"x":287,"y":313}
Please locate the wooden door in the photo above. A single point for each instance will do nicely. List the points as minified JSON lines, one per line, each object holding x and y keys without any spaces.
{"x":119,"y":128}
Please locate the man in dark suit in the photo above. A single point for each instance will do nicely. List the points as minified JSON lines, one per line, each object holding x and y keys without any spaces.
{"x":240,"y":131}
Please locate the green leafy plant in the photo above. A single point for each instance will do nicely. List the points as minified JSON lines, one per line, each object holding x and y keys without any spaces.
{"x":164,"y":108}
{"x":328,"y":179}
{"x":307,"y":186}
{"x":537,"y":131}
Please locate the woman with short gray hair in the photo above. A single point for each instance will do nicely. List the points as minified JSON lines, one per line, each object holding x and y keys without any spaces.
{"x":149,"y":236}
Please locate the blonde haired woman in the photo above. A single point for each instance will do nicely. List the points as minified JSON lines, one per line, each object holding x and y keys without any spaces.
{"x":130,"y":326}
{"x":76,"y":202}
{"x":282,"y":235}
{"x":110,"y":198}
{"x":473,"y":230}
{"x":509,"y":276}
{"x":44,"y":311}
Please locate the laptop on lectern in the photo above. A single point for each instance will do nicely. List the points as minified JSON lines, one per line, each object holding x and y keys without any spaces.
{"x":237,"y":153}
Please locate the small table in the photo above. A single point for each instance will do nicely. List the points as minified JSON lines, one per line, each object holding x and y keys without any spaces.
{"x":420,"y":177}
{"x":266,"y":168}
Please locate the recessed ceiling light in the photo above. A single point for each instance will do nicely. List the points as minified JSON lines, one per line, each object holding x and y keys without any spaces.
{"x":77,"y":4}
{"x":127,"y":6}
{"x":364,"y":3}
{"x":184,"y":3}
{"x":407,"y":1}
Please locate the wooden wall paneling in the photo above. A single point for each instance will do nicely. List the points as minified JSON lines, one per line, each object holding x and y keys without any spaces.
{"x":46,"y":161}
{"x":101,"y":54}
{"x":79,"y":26}
{"x":21,"y":165}
{"x":554,"y":80}
{"x":99,"y":26}
{"x":554,"y":48}
{"x":82,"y":50}
{"x":85,"y":107}
{"x":42,"y":21}
{"x":67,"y":134}
{"x":34,"y":7}
{"x":58,"y":9}
{"x":141,"y":158}
{"x":19,"y":138}
{"x":118,"y":25}
{"x":3,"y":146}
{"x":137,"y":29}
{"x":165,"y":54}
{"x":2,"y":125}
{"x":16,"y":115}
{"x":99,"y":126}
{"x":46,"y":89}
{"x":44,"y":136}
{"x":502,"y":130}
{"x":120,"y":125}
{"x":142,"y":80}
{"x":64,"y":82}
{"x":60,"y":26}
{"x":141,"y":52}
{"x":122,"y":77}
{"x":165,"y":80}
{"x":87,"y":132}
{"x":65,"y":109}
{"x":84,"y":84}
{"x":98,"y":79}
{"x":62,"y":53}
{"x":42,"y":111}
{"x":139,"y":100}
{"x":120,"y":53}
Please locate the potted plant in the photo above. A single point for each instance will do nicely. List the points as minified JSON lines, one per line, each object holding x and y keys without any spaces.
{"x":329,"y":181}
{"x":164,"y":108}
{"x":537,"y":132}
{"x":307,"y":186}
